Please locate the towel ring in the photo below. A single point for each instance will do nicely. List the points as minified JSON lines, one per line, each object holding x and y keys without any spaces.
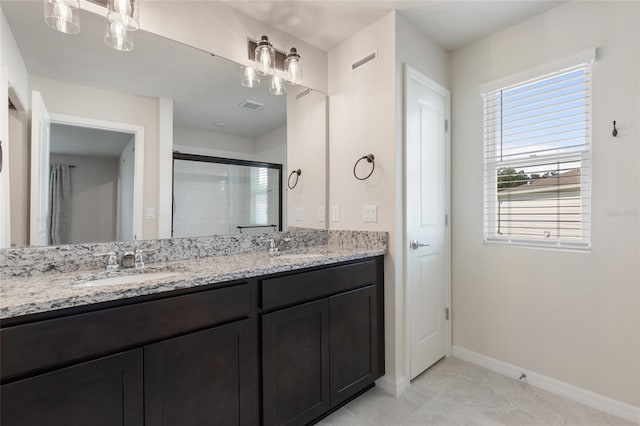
{"x":297,"y":173}
{"x":370,"y":159}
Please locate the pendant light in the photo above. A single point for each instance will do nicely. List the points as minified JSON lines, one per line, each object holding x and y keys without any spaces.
{"x":62,"y":15}
{"x":278,"y":86}
{"x":118,"y":37}
{"x":250,"y":77}
{"x":125,"y":11}
{"x":265,"y":56}
{"x":293,"y":67}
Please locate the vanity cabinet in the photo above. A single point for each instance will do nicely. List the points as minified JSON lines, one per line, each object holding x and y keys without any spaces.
{"x":106,"y":391}
{"x":280,"y":349}
{"x":189,"y":359}
{"x":203,"y":378}
{"x":318,"y":354}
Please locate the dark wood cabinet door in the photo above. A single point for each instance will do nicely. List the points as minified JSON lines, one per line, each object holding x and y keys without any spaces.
{"x":296,"y":364}
{"x":353,"y":342}
{"x":203,"y":378}
{"x":103,"y":392}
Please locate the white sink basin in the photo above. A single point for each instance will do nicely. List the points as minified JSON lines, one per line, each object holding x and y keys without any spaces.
{"x":299,"y":256}
{"x":128,"y":279}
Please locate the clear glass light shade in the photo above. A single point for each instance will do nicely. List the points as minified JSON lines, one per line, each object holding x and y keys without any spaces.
{"x":125,"y":11}
{"x":118,"y":37}
{"x":62,"y":15}
{"x":265,"y":56}
{"x":278,"y":86}
{"x":250,"y":77}
{"x":293,"y":67}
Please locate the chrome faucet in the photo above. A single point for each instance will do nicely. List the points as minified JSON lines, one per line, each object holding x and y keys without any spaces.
{"x":282,"y":244}
{"x":112,"y":261}
{"x":129,"y":259}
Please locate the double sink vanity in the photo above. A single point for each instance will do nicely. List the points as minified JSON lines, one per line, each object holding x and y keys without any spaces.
{"x":213,"y":330}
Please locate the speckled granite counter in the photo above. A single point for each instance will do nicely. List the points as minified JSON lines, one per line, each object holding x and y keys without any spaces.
{"x":34,"y":294}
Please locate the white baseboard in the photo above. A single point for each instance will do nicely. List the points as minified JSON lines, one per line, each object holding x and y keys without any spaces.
{"x":392,"y":387}
{"x":591,"y":399}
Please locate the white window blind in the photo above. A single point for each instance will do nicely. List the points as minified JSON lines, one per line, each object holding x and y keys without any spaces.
{"x":537,"y":160}
{"x":260,"y":196}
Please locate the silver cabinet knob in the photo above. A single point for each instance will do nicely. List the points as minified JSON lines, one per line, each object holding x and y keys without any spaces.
{"x":415,"y":244}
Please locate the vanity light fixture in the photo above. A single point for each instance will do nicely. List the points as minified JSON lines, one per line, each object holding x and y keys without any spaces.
{"x":250,"y":77}
{"x":125,"y":11}
{"x":122,"y":18}
{"x":283,"y":68}
{"x":62,"y":15}
{"x":278,"y":86}
{"x":293,"y":67}
{"x":118,"y":37}
{"x":265,"y":56}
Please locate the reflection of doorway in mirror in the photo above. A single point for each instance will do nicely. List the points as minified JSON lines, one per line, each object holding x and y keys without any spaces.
{"x":96,"y":195}
{"x":98,"y":200}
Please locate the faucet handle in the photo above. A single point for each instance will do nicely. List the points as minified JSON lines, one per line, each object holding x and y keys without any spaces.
{"x":112,"y":261}
{"x":139,"y":259}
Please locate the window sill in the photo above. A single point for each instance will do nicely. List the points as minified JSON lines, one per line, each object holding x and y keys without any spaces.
{"x":566,"y":247}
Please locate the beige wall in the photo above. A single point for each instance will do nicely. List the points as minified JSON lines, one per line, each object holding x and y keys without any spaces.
{"x":93,"y":203}
{"x":361,"y":121}
{"x":19,"y":148}
{"x":365,"y":116}
{"x":83,"y":101}
{"x":571,"y":316}
{"x":307,"y":151}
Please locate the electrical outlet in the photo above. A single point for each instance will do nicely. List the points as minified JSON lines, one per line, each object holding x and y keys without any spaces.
{"x":335,"y":213}
{"x":321,"y":214}
{"x":369,"y":213}
{"x":299,"y":214}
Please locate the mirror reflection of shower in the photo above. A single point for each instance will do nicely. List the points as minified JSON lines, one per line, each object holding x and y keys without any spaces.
{"x":91,"y":185}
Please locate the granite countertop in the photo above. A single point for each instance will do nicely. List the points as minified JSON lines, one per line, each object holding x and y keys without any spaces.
{"x":29,"y":295}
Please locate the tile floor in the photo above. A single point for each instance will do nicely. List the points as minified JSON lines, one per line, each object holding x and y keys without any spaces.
{"x":455,"y":392}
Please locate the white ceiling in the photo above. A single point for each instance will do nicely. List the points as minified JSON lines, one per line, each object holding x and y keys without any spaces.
{"x":450,"y":23}
{"x":206,"y":89}
{"x":85,"y":141}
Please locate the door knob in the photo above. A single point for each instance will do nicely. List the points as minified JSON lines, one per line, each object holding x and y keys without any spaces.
{"x":415,"y":244}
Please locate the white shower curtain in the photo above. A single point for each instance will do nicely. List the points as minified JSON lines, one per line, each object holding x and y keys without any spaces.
{"x":59,"y":197}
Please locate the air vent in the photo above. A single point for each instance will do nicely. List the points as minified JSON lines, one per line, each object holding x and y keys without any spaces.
{"x":303,"y":94}
{"x":361,"y":62}
{"x":250,"y":105}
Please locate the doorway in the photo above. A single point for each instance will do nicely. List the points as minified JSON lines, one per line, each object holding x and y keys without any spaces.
{"x":87,"y":141}
{"x":427,"y":232}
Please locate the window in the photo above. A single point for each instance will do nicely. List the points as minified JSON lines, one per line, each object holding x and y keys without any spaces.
{"x":537,"y":159}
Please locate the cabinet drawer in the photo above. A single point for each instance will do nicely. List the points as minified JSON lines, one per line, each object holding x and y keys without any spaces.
{"x":45,"y":344}
{"x":305,"y":286}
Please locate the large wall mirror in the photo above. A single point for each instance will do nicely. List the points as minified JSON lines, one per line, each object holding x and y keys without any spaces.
{"x":93,"y":141}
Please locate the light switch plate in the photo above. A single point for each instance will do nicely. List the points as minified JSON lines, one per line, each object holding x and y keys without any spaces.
{"x":151,"y":213}
{"x":335,"y":213}
{"x":299,"y":214}
{"x":369,"y":213}
{"x":321,"y":214}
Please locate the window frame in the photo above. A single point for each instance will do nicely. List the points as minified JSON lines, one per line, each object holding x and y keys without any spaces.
{"x":491,"y":208}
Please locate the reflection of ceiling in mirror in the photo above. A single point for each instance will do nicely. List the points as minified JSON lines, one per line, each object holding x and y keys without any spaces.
{"x":206,"y":89}
{"x":67,"y":139}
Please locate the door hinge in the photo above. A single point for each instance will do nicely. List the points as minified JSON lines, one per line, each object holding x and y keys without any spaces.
{"x":446,"y":219}
{"x":446,"y":314}
{"x":446,"y":125}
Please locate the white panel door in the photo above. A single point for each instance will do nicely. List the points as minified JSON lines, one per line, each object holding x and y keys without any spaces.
{"x":427,"y":205}
{"x":5,"y":208}
{"x":39,"y":191}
